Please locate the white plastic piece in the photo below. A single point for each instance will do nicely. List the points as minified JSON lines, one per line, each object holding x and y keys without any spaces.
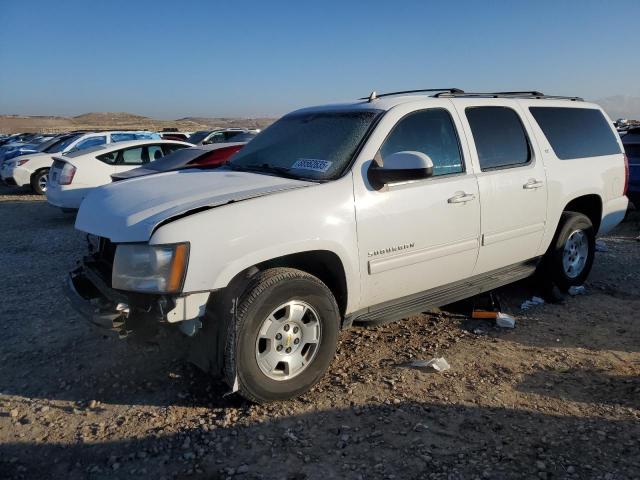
{"x":531,"y":303}
{"x":505,"y":321}
{"x":438,"y":364}
{"x":601,"y":246}
{"x":188,"y":307}
{"x":577,"y":290}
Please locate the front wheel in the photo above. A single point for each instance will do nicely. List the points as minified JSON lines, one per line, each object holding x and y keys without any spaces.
{"x":285,"y":335}
{"x":39,"y":181}
{"x":572,"y":251}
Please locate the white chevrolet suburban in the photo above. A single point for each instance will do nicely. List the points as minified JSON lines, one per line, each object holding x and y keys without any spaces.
{"x":361,"y":212}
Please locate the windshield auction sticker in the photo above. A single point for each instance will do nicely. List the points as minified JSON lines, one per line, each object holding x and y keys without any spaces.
{"x":311,"y":164}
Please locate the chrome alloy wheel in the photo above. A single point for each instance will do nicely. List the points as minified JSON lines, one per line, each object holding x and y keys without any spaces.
{"x":288,"y":340}
{"x":576,"y":251}
{"x":42,"y":182}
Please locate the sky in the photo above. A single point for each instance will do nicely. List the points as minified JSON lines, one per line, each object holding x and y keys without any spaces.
{"x":171,"y":59}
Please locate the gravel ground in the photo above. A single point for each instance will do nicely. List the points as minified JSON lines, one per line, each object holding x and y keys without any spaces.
{"x":557,"y":397}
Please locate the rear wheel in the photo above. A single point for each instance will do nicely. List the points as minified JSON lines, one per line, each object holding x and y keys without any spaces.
{"x":39,"y":181}
{"x":570,"y":256}
{"x":285,"y":335}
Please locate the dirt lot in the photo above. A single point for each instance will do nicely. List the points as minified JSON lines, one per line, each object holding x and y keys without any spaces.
{"x":558,"y":397}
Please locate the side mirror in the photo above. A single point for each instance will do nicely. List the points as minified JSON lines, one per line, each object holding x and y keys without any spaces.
{"x":400,"y":167}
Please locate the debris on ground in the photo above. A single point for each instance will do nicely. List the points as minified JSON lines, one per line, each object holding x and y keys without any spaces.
{"x":438,"y":364}
{"x":486,"y":306}
{"x":504,"y":320}
{"x":535,"y":301}
{"x":601,"y":246}
{"x":577,"y":290}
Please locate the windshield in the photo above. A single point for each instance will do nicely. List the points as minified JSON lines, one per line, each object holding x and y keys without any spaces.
{"x":199,"y":136}
{"x":308,"y":145}
{"x":61,"y":144}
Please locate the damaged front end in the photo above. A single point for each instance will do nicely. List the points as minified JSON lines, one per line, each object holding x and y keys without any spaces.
{"x":90,"y":290}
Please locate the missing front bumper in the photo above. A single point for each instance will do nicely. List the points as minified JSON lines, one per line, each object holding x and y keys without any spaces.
{"x":92,"y":305}
{"x":137,"y":313}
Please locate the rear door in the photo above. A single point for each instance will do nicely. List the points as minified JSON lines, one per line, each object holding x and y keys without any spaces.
{"x":511,"y":180}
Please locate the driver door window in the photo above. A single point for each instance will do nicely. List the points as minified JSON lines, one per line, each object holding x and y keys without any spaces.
{"x":431,"y":132}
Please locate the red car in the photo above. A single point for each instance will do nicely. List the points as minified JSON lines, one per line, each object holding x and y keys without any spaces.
{"x":212,"y":155}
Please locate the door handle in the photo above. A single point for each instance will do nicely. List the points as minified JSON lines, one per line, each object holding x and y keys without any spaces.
{"x":461,"y":197}
{"x":532,"y":183}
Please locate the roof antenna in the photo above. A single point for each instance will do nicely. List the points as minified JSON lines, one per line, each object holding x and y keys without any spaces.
{"x":372,"y":96}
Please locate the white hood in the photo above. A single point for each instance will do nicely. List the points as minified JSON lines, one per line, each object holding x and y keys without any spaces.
{"x":129,"y":211}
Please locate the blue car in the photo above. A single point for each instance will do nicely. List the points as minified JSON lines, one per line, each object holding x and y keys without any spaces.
{"x":37,"y":144}
{"x":631,"y":142}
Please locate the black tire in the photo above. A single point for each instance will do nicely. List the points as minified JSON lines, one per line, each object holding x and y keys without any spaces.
{"x":553,"y":270}
{"x":36,"y":181}
{"x":266,"y":291}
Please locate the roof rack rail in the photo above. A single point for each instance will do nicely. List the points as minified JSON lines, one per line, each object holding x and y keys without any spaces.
{"x":526,"y":94}
{"x":374,"y":95}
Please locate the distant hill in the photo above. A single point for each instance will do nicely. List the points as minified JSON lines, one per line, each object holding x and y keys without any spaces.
{"x":621,"y":106}
{"x":120,"y":121}
{"x":229,"y":122}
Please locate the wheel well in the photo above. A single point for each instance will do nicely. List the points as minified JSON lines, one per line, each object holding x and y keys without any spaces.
{"x":323,"y":264}
{"x":589,"y":205}
{"x":38,"y":171}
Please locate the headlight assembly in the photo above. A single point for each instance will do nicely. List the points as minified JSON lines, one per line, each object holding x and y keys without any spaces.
{"x":150,"y":268}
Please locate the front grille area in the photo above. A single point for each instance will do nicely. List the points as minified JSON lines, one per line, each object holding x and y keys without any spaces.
{"x":101,"y":260}
{"x":106,"y":250}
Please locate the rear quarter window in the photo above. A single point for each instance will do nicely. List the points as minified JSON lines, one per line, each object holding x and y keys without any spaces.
{"x":576,"y":132}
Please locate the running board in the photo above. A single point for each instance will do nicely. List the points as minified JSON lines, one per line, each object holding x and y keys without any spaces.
{"x":439,"y":296}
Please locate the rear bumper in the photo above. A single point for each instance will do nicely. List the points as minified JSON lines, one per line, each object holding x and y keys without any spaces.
{"x":20,"y":176}
{"x":64,"y":198}
{"x":613,"y":212}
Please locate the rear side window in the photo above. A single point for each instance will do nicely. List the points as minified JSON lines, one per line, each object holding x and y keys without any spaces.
{"x":499,"y":137}
{"x":172,"y":147}
{"x":576,"y":132}
{"x":132,"y":156}
{"x":154,"y":152}
{"x":431,"y":132}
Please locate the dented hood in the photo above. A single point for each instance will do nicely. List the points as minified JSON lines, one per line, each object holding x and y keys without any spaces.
{"x":130,"y":210}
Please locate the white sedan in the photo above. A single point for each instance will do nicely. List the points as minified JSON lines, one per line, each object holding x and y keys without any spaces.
{"x":72,"y":176}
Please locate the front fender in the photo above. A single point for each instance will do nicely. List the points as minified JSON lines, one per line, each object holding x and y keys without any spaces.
{"x":231,"y":238}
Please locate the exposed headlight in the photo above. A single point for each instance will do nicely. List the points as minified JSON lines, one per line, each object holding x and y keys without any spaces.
{"x":150,"y":268}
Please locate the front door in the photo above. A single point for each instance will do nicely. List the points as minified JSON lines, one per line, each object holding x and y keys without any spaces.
{"x":512,"y":182}
{"x":417,"y":235}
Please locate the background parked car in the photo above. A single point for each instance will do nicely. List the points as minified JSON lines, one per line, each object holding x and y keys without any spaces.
{"x":200,"y":156}
{"x":37,"y":144}
{"x":221,"y":135}
{"x":175,"y":135}
{"x":74,"y":175}
{"x":631,"y":143}
{"x":33,"y":169}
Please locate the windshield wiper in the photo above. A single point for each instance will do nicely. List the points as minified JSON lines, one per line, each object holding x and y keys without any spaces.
{"x":264,"y":167}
